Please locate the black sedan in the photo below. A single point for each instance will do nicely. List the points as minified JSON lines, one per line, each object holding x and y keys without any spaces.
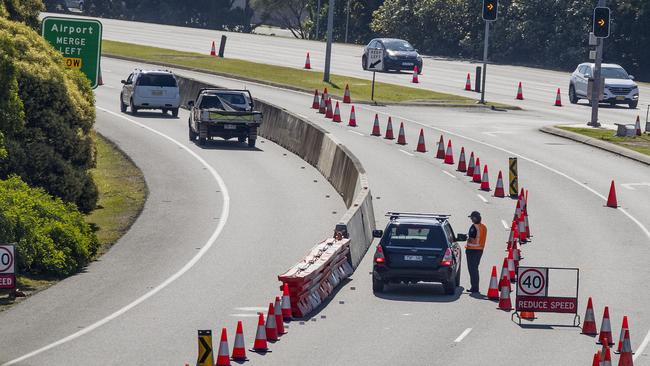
{"x":398,"y":54}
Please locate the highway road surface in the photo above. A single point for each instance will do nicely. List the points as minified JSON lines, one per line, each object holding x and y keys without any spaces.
{"x":415,"y":325}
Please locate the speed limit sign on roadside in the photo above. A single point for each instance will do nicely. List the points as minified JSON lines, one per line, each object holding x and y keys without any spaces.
{"x":532,"y":281}
{"x":7,"y":266}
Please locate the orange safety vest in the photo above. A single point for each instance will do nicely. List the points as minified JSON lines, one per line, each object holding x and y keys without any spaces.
{"x":478,"y":243}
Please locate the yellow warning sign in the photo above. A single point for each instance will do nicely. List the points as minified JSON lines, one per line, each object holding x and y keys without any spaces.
{"x":514,"y":177}
{"x":206,"y":357}
{"x":72,"y":62}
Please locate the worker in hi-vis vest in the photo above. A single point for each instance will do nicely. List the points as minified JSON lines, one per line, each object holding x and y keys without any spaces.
{"x":474,"y":249}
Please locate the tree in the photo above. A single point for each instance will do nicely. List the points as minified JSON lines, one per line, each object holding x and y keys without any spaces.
{"x":290,"y":14}
{"x":24,"y":11}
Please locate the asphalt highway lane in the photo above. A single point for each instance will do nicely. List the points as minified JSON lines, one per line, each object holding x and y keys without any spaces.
{"x":279,"y":207}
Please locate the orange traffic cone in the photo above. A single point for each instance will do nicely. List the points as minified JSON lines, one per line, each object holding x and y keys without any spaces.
{"x":449,"y":154}
{"x":286,"y":302}
{"x":624,"y":327}
{"x":271,"y":327}
{"x":337,"y":113}
{"x":520,"y":94}
{"x":307,"y":62}
{"x":421,"y":146}
{"x":375,"y":127}
{"x":329,"y":113}
{"x":485,"y":180}
{"x":239,"y":350}
{"x":637,"y":126}
{"x":462,"y":165}
{"x":611,"y":199}
{"x":476,"y":178}
{"x":605,"y":336}
{"x":505,"y":272}
{"x":346,"y":94}
{"x":223,"y":357}
{"x":493,"y":290}
{"x":279,"y":323}
{"x":213,"y":50}
{"x":498,"y":190}
{"x":326,"y":95}
{"x":440,"y":154}
{"x":558,"y":98}
{"x":468,"y":83}
{"x":401,"y":138}
{"x":522,"y":228}
{"x":353,"y":118}
{"x":471,"y":165}
{"x":315,"y":104}
{"x":389,"y":130}
{"x":504,"y":296}
{"x":322,"y":106}
{"x":512,"y":271}
{"x":415,"y":79}
{"x":589,"y":324}
{"x":260,"y":344}
{"x":606,"y":357}
{"x":626,"y":358}
{"x":596,"y":361}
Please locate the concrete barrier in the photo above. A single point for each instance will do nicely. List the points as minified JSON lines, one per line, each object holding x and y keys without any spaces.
{"x":321,"y":150}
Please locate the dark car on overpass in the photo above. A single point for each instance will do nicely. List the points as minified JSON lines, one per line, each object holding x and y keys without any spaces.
{"x":417,"y":248}
{"x":398,"y":54}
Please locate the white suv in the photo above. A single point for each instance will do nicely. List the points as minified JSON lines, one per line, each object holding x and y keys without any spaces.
{"x":619,"y":87}
{"x":156,"y":89}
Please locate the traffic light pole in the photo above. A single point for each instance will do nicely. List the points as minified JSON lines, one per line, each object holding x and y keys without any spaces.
{"x":485,"y":57}
{"x":595,"y":86}
{"x":328,"y":49}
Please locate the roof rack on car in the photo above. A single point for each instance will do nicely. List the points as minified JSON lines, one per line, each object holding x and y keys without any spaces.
{"x":395,"y":215}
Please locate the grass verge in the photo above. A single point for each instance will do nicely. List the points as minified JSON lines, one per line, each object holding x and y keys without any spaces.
{"x":639,"y":144}
{"x":122,"y":193}
{"x":293,"y":78}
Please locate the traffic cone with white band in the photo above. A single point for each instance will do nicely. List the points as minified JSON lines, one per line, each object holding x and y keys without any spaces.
{"x":401,"y":138}
{"x":485,"y":180}
{"x":462,"y":165}
{"x":271,"y":327}
{"x":512,"y":271}
{"x":504,"y":296}
{"x":471,"y":165}
{"x":626,"y":358}
{"x":223,"y":356}
{"x":493,"y":290}
{"x":322,"y":106}
{"x":375,"y":127}
{"x":279,"y":322}
{"x":286,"y":302}
{"x":389,"y":130}
{"x":605,"y":335}
{"x":624,"y":327}
{"x":307,"y":62}
{"x":421,"y":145}
{"x":449,"y":154}
{"x":520,"y":94}
{"x":213,"y":49}
{"x":316,"y":103}
{"x":329,"y":113}
{"x":440,"y":153}
{"x":589,"y":324}
{"x":498,"y":190}
{"x":637,"y":126}
{"x":260,"y":344}
{"x":505,"y":272}
{"x":611,"y":198}
{"x":477,"y":171}
{"x":596,"y":361}
{"x":468,"y":83}
{"x":239,"y":349}
{"x":415,"y":79}
{"x":353,"y":118}
{"x":337,"y":113}
{"x":558,"y":98}
{"x":346,"y":95}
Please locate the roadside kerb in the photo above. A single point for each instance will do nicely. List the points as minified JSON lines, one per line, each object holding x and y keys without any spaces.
{"x":631,"y":154}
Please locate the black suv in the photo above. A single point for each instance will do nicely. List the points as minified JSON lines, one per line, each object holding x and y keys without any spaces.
{"x":417,"y":248}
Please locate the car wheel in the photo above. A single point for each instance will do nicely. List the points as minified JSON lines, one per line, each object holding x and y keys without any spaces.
{"x":174,"y":112}
{"x":377,"y":285}
{"x":122,"y":105}
{"x":458,"y":277}
{"x":241,"y":138}
{"x":191,"y":133}
{"x":573,"y":97}
{"x":633,"y":105}
{"x":164,"y":111}
{"x":251,"y":142}
{"x":420,"y":69}
{"x":202,"y":141}
{"x":450,"y":286}
{"x":134,"y":109}
{"x":364,"y":62}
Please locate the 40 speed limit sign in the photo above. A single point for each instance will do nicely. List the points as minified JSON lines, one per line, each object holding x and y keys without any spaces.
{"x":7,"y":266}
{"x":532,"y":282}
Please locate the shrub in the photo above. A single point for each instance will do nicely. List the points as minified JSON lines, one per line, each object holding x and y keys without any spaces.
{"x":52,"y":236}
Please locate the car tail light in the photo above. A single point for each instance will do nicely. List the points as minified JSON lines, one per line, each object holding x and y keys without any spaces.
{"x":379,"y":255}
{"x":448,"y":259}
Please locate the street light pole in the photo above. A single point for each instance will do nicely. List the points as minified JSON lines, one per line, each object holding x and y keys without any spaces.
{"x":595,"y":86}
{"x":328,"y":49}
{"x":347,"y":21}
{"x":485,"y":58}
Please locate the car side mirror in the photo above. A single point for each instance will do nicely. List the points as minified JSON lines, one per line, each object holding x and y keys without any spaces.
{"x":461,"y":237}
{"x":631,"y":77}
{"x":123,"y":81}
{"x":377,"y":233}
{"x":190,"y":103}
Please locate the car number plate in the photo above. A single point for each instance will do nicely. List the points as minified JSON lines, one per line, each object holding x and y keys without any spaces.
{"x":157,"y":92}
{"x":620,"y":98}
{"x":230,"y":127}
{"x":407,"y":64}
{"x":413,"y":258}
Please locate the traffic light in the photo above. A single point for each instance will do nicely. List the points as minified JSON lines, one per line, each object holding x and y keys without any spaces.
{"x":490,"y":9}
{"x":601,"y":22}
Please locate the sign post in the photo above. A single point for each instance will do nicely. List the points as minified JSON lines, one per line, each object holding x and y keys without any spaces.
{"x":534,"y":292}
{"x":490,"y":12}
{"x":79,"y":41}
{"x":601,"y":31}
{"x":514,"y":177}
{"x":8,"y":266}
{"x":375,"y":63}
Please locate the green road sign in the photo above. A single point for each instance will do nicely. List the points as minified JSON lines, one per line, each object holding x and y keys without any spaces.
{"x":80,"y":42}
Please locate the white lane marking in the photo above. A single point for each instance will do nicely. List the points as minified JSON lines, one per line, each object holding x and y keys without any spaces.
{"x":642,"y":347}
{"x":225,"y":211}
{"x":358,"y":133}
{"x":494,"y":133}
{"x":631,"y":186}
{"x":449,"y":174}
{"x":482,"y":198}
{"x":463,"y":335}
{"x":505,"y":224}
{"x":252,"y":308}
{"x":245,"y":315}
{"x":406,"y":152}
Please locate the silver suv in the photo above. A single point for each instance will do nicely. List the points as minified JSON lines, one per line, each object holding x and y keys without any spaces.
{"x":619,"y":85}
{"x":153,"y":89}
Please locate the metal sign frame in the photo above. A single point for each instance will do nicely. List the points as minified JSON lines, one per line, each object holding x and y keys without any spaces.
{"x":545,"y":298}
{"x":7,"y":266}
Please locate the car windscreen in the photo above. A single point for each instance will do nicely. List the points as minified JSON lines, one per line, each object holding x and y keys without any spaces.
{"x":165,"y":80}
{"x":614,"y":73}
{"x":418,"y":236}
{"x":398,"y":45}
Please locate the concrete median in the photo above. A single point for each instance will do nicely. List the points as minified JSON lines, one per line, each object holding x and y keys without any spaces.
{"x":321,"y":150}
